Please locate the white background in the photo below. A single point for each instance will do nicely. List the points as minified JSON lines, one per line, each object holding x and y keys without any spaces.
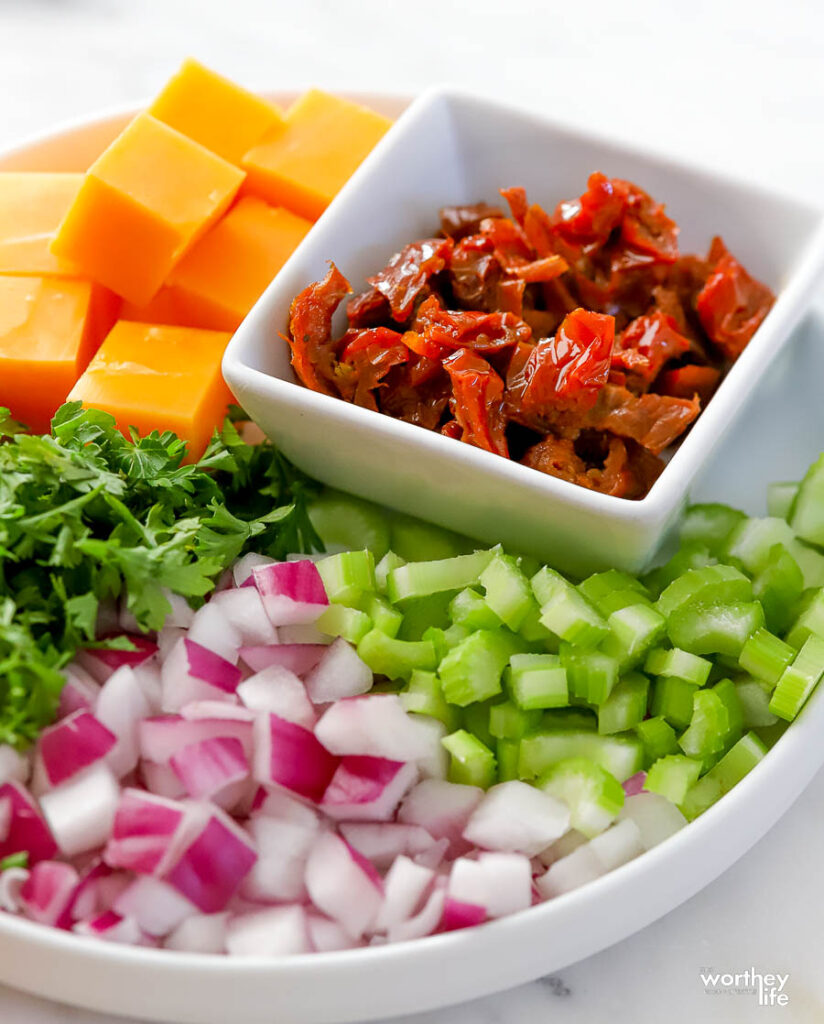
{"x":735,"y":85}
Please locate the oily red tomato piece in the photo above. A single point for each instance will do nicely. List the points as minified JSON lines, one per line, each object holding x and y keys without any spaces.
{"x":475,"y":273}
{"x":510,"y":297}
{"x":568,"y":370}
{"x":421,"y":346}
{"x":484,"y":332}
{"x":310,"y":331}
{"x":653,"y":421}
{"x":368,"y":355}
{"x":459,"y":221}
{"x":588,"y":221}
{"x":645,"y":227}
{"x":647,"y":343}
{"x":407,"y":273}
{"x":732,"y":305}
{"x":687,"y":381}
{"x":508,"y":240}
{"x":368,"y":309}
{"x":516,"y":199}
{"x":542,"y":270}
{"x":477,"y":392}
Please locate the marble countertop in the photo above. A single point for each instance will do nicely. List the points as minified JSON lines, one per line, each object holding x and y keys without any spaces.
{"x":737,"y":85}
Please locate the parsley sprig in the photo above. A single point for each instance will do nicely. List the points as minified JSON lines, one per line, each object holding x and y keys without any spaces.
{"x":88,"y":515}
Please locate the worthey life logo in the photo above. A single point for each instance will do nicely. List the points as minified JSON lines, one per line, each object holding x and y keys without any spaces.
{"x":768,"y":988}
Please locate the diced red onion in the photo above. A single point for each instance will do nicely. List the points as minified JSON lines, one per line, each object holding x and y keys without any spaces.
{"x":277,"y":931}
{"x":382,"y":842}
{"x":290,"y":756}
{"x":212,"y":668}
{"x":12,"y":881}
{"x":166,"y":640}
{"x":161,"y":780}
{"x":618,"y":844}
{"x":121,"y":706}
{"x":279,"y":691}
{"x":142,"y":832}
{"x":340,"y":887}
{"x":155,"y":906}
{"x":160,"y":738}
{"x":367,"y":788}
{"x":297,"y":658}
{"x":292,"y":592}
{"x":242,"y":569}
{"x":112,"y":928}
{"x":425,"y":922}
{"x":339,"y":673}
{"x":570,"y":872}
{"x":243,"y":609}
{"x":634,"y":784}
{"x":89,"y":894}
{"x":80,"y":811}
{"x":214,"y":769}
{"x":200,"y":933}
{"x":442,"y":808}
{"x":72,"y":744}
{"x":405,"y":889}
{"x":461,"y":915}
{"x":516,"y":818}
{"x":79,"y":692}
{"x":48,"y":891}
{"x":278,"y":803}
{"x":216,"y":710}
{"x":654,"y":815}
{"x":100,"y":662}
{"x":182,"y":686}
{"x":501,"y":883}
{"x":211,"y":629}
{"x":14,"y":767}
{"x":27,"y":830}
{"x":303,"y":633}
{"x":327,"y":936}
{"x":283,"y":848}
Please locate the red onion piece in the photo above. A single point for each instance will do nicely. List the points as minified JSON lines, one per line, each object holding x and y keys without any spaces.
{"x":367,"y":788}
{"x":48,"y":891}
{"x":142,"y":832}
{"x":339,"y":673}
{"x":297,"y":658}
{"x":73,"y":744}
{"x":292,"y":592}
{"x":289,"y":755}
{"x":339,"y":886}
{"x":27,"y":830}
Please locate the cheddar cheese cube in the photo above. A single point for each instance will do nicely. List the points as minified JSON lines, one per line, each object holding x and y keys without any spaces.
{"x":49,"y":330}
{"x":220,"y":279}
{"x":303,"y":164}
{"x":159,"y":378}
{"x":215,"y":112}
{"x":32,"y":205}
{"x":144,"y":202}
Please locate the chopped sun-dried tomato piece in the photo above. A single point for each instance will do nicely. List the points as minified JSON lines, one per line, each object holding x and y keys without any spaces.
{"x":510,"y":297}
{"x":646,"y":228}
{"x":516,"y":199}
{"x":459,"y":221}
{"x":477,"y":391}
{"x":508,"y":239}
{"x":484,"y":332}
{"x":310,"y":331}
{"x":368,"y":355}
{"x":368,"y":309}
{"x":589,"y":220}
{"x":654,"y":421}
{"x":732,"y":304}
{"x":646,"y":345}
{"x":568,"y":370}
{"x":405,"y":276}
{"x":475,"y":273}
{"x":687,"y":381}
{"x":543,"y":270}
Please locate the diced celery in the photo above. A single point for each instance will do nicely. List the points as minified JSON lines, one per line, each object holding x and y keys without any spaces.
{"x":537,"y":681}
{"x":344,"y":521}
{"x":546,"y":583}
{"x":725,"y":689}
{"x":672,"y":776}
{"x":658,"y":738}
{"x":593,"y":795}
{"x":471,"y":762}
{"x":799,"y":680}
{"x":445,"y":639}
{"x":626,"y":705}
{"x":508,"y":722}
{"x":708,"y":726}
{"x":709,"y":524}
{"x":715,"y":629}
{"x":423,"y":695}
{"x":678,"y":664}
{"x":751,"y":541}
{"x":468,"y":608}
{"x":701,"y":797}
{"x":507,"y":753}
{"x":672,"y":700}
{"x":397,"y":659}
{"x":633,"y":630}
{"x":338,"y":620}
{"x":771,"y":734}
{"x":565,"y":611}
{"x":415,"y":540}
{"x":810,"y":562}
{"x":599,"y":589}
{"x":621,"y":755}
{"x":384,"y":617}
{"x":780,"y":498}
{"x":475,"y":719}
{"x":807,"y":514}
{"x":778,"y":586}
{"x":691,"y":555}
{"x":422,"y":579}
{"x":738,"y":761}
{"x":765,"y":656}
{"x":754,"y":696}
{"x":713,"y":584}
{"x":472,"y":670}
{"x":347,"y":575}
{"x":508,"y":592}
{"x":569,"y":718}
{"x":619,"y":599}
{"x":591,"y":675}
{"x":810,"y":621}
{"x":422,"y":613}
{"x":389,"y":562}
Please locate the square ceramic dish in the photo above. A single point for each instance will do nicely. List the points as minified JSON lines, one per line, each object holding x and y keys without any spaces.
{"x":454,"y":148}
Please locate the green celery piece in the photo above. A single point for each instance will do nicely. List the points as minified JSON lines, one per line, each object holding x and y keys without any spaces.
{"x":738,"y":761}
{"x":593,"y":795}
{"x":347,"y":576}
{"x":423,"y":695}
{"x":472,"y":670}
{"x":771,"y":734}
{"x":600,"y":588}
{"x":475,"y":719}
{"x":572,"y":618}
{"x":672,"y":700}
{"x":469,"y":608}
{"x":658,"y":738}
{"x":691,"y":555}
{"x":678,"y":664}
{"x":384,"y":617}
{"x":422,"y":613}
{"x":633,"y":630}
{"x":799,"y":680}
{"x":507,"y":590}
{"x":713,"y":584}
{"x":778,"y":585}
{"x":508,"y":722}
{"x":537,"y":681}
{"x":715,"y":629}
{"x":351,"y":624}
{"x":807,"y":513}
{"x":591,"y":675}
{"x":386,"y":564}
{"x":626,"y":705}
{"x":751,"y":541}
{"x":396,"y":659}
{"x":534,"y":631}
{"x":765,"y":656}
{"x":754,"y":697}
{"x":708,"y":726}
{"x":471,"y":762}
{"x":810,"y":562}
{"x":507,"y":753}
{"x":342,"y":520}
{"x":810,"y":621}
{"x":725,"y":689}
{"x":621,"y":755}
{"x":672,"y":776}
{"x":701,"y":797}
{"x":710,"y":525}
{"x":417,"y":541}
{"x":580,"y":718}
{"x":422,"y":579}
{"x":15,"y":860}
{"x":619,"y":599}
{"x":546,"y":583}
{"x":445,"y":639}
{"x":780,"y":498}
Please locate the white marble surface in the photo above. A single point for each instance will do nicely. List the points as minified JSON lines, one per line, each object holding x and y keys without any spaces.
{"x":739,"y":85}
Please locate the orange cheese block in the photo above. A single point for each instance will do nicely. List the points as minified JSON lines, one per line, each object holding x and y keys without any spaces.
{"x":49,"y":330}
{"x":303,"y":164}
{"x":32,"y":205}
{"x":144,"y":202}
{"x":215,"y":112}
{"x":159,"y":378}
{"x":220,"y":279}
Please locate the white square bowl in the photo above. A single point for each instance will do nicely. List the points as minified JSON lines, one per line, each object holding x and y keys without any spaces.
{"x":448,"y":148}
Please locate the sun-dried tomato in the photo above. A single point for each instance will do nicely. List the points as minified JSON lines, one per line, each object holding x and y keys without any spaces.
{"x":477,"y":390}
{"x":654,"y":421}
{"x":508,"y":239}
{"x":368,"y":355}
{"x":369,"y":309}
{"x":732,"y":304}
{"x":483,"y":332}
{"x":516,"y":199}
{"x":587,"y":222}
{"x":475,"y":273}
{"x":646,"y":345}
{"x":310,"y":331}
{"x":645,"y":227}
{"x":406,"y":275}
{"x":687,"y":381}
{"x":459,"y":221}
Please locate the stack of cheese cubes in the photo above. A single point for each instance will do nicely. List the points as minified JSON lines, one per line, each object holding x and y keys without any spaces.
{"x":121,"y":287}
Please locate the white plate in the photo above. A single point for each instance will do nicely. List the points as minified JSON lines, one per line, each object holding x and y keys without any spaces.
{"x":369,"y":984}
